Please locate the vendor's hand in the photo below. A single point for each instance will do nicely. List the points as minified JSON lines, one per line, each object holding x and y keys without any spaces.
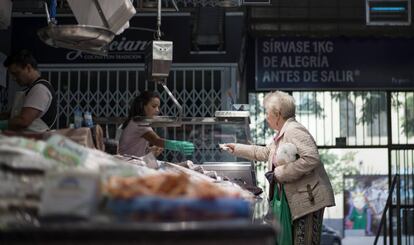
{"x":183,"y":146}
{"x":156,"y":150}
{"x":230,"y":147}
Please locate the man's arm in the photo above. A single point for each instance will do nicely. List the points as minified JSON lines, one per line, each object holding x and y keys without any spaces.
{"x":24,"y":119}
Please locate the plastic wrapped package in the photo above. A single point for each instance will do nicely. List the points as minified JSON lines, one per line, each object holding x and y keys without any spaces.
{"x":73,"y":155}
{"x":22,"y":153}
{"x":70,"y":193}
{"x":22,"y":168}
{"x":18,"y":185}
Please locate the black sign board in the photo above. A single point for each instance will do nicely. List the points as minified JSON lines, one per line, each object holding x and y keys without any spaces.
{"x":334,"y":63}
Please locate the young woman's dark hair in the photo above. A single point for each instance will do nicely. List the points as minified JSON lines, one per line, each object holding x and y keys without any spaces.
{"x":137,"y":106}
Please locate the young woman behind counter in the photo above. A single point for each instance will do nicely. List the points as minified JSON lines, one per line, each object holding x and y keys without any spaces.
{"x":136,"y":140}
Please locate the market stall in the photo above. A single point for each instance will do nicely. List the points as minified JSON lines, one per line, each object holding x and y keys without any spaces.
{"x":59,"y":188}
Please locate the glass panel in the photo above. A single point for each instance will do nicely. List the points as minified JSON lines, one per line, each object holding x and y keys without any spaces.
{"x":206,"y":137}
{"x":334,"y":118}
{"x":402,"y":117}
{"x":402,"y":162}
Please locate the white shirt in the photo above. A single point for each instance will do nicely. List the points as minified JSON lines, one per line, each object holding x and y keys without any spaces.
{"x":40,"y":98}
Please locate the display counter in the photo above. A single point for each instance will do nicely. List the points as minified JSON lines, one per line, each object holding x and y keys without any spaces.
{"x":102,"y":230}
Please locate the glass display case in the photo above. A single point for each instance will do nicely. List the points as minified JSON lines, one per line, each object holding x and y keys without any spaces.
{"x":206,"y":134}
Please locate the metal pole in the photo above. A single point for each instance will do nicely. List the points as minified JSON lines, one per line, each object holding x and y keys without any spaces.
{"x":398,"y":211}
{"x":158,"y":35}
{"x":388,"y":207}
{"x":389,"y":133}
{"x":47,"y":13}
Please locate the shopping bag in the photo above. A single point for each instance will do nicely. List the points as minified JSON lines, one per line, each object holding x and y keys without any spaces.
{"x":281,"y":211}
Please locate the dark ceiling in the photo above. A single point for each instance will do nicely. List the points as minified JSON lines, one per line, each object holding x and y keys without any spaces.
{"x":319,"y":17}
{"x":279,"y":17}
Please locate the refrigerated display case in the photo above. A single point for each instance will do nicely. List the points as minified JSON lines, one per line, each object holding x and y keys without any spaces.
{"x":206,"y":134}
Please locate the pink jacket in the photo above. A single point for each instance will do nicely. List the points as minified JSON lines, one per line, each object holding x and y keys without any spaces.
{"x":307,"y":185}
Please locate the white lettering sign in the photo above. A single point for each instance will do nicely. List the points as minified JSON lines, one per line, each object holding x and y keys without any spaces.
{"x":307,"y":61}
{"x":118,"y":49}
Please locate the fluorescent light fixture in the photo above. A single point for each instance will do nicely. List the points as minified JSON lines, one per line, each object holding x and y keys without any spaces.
{"x":388,"y":12}
{"x":388,"y":9}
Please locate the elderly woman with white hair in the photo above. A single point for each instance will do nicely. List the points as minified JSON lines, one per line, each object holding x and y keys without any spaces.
{"x":305,"y":182}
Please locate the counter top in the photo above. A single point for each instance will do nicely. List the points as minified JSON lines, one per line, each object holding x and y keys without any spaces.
{"x":194,"y":232}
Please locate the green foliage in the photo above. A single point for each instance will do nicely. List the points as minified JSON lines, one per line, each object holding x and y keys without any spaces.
{"x":373,"y":104}
{"x":407,"y":120}
{"x":310,"y":104}
{"x":338,"y":167}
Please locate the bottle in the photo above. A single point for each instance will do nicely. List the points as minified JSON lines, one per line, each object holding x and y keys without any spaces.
{"x":88,"y":119}
{"x":78,"y":118}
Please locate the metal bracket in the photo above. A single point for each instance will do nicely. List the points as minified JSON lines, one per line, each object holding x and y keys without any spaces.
{"x":101,"y":14}
{"x":180,"y":108}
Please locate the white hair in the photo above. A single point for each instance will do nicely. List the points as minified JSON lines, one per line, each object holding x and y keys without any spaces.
{"x":282,"y":102}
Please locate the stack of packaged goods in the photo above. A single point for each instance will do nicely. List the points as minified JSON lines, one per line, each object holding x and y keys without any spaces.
{"x":70,"y":180}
